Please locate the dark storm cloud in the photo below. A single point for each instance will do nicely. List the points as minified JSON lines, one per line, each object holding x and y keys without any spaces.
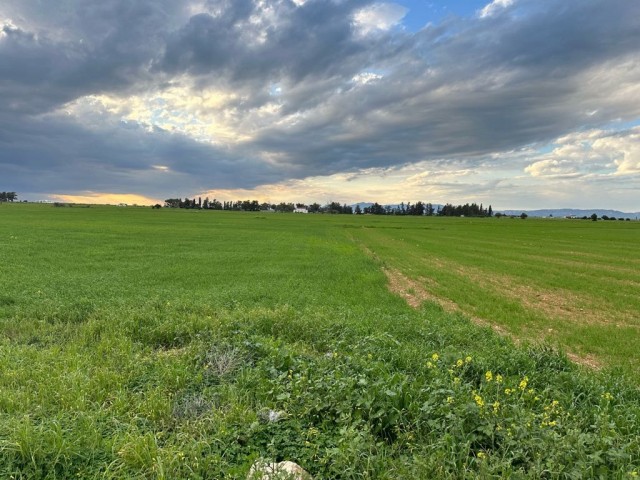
{"x":316,"y":39}
{"x":117,"y":158}
{"x":71,"y":49}
{"x":467,"y":87}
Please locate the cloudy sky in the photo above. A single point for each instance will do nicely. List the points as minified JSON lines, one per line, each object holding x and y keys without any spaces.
{"x":517,"y":103}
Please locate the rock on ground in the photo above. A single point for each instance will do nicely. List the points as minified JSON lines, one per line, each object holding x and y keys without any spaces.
{"x":262,"y":470}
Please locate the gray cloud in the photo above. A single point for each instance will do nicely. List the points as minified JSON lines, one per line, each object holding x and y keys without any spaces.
{"x":118,"y":158}
{"x":464,"y":88}
{"x":492,"y":85}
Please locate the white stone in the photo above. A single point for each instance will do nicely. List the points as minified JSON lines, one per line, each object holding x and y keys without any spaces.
{"x":262,"y":470}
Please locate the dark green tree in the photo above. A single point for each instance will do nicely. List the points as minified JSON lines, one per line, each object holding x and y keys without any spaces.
{"x":314,"y":208}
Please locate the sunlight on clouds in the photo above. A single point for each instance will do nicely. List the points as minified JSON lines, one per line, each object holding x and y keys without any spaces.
{"x":553,"y":168}
{"x":591,"y":153}
{"x":494,"y":7}
{"x":627,"y":159}
{"x":379,"y":17}
{"x":6,"y":24}
{"x":409,"y":183}
{"x":366,"y":77}
{"x":106,"y":198}
{"x":205,"y":115}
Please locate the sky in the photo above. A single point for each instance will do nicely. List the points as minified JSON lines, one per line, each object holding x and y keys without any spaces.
{"x":521,"y":104}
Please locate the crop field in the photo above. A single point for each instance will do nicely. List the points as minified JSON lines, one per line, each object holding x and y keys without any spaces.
{"x":169,"y":344}
{"x":573,"y":283}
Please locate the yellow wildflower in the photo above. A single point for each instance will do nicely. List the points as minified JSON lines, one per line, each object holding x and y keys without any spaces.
{"x":488,"y":376}
{"x":459,"y":363}
{"x":456,"y":381}
{"x":435,"y":357}
{"x":498,"y":378}
{"x":430,"y":365}
{"x":607,"y":396}
{"x":481,"y":455}
{"x":508,"y":391}
{"x":478,"y":399}
{"x":523,"y":383}
{"x":449,"y":400}
{"x":467,"y":360}
{"x":496,"y":407}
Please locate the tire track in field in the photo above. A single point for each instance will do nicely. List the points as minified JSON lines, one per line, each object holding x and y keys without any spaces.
{"x":415,"y":293}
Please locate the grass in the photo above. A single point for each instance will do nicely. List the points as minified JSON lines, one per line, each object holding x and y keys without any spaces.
{"x":171,"y":344}
{"x":573,"y":283}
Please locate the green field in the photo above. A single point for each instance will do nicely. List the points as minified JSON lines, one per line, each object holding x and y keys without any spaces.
{"x":573,"y":283}
{"x":139,"y":343}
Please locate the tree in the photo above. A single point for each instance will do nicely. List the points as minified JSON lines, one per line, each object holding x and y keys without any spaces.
{"x":358,"y":210}
{"x":594,"y":217}
{"x":8,"y":196}
{"x":314,"y":208}
{"x":429,"y":210}
{"x":523,"y":215}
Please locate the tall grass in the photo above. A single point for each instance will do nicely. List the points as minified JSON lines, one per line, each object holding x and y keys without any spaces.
{"x":164,"y":344}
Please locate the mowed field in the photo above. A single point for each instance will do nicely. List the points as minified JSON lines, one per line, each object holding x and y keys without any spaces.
{"x":573,"y":283}
{"x":137,"y":343}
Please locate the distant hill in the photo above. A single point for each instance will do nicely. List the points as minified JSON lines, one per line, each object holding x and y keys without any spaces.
{"x":564,"y":212}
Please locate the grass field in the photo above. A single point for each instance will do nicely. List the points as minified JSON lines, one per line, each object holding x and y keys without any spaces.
{"x":573,"y":283}
{"x":137,"y":343}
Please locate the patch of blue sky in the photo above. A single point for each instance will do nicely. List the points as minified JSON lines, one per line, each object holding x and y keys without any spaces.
{"x":548,"y":148}
{"x":275,"y":90}
{"x":623,"y":125}
{"x":422,"y":12}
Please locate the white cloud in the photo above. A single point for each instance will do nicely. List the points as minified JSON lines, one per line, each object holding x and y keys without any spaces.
{"x":379,"y":17}
{"x":494,"y":7}
{"x":6,"y":24}
{"x":593,"y":153}
{"x":206,"y":115}
{"x":365,"y":77}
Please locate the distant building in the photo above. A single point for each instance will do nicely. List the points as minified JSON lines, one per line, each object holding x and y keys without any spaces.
{"x":300,"y":210}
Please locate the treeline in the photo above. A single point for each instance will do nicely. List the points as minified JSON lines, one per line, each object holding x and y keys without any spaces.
{"x":418,"y":208}
{"x":255,"y":206}
{"x":8,"y":196}
{"x":466,"y":210}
